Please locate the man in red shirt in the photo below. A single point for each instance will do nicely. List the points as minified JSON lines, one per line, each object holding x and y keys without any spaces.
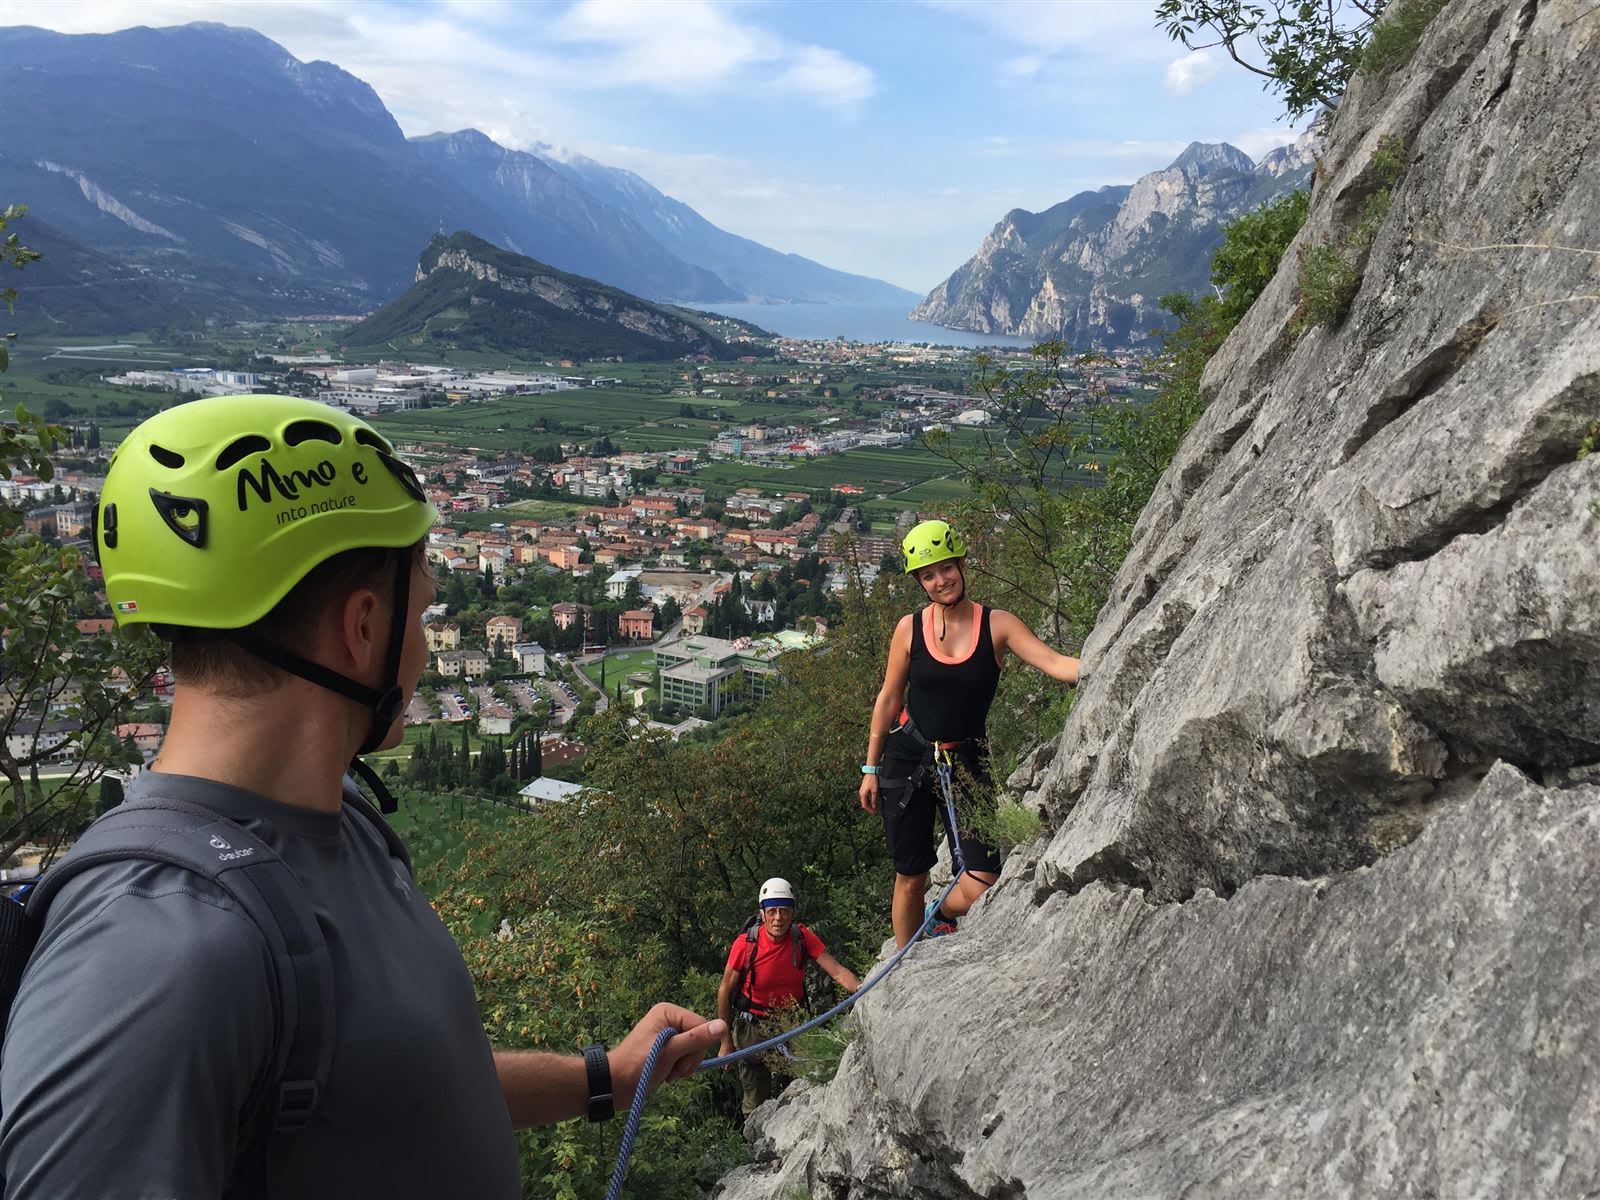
{"x":766,"y":972}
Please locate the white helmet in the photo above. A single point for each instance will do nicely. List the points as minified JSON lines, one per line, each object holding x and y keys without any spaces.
{"x":775,"y":892}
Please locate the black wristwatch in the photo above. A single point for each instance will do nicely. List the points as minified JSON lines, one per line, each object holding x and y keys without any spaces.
{"x":598,"y":1067}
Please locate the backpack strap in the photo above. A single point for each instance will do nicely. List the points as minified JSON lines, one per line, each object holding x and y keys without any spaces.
{"x":197,"y":839}
{"x":747,"y":989}
{"x":797,"y":943}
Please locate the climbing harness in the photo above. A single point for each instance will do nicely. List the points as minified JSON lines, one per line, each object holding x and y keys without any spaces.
{"x":944,"y":762}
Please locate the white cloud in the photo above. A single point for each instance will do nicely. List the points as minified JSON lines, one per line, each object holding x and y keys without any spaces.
{"x":694,"y":46}
{"x":827,"y":77}
{"x":670,"y":47}
{"x":1024,"y":66}
{"x":1191,"y":71}
{"x":1083,"y":149}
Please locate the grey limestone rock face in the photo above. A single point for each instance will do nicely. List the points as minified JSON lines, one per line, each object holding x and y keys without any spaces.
{"x":1317,"y":914}
{"x":1422,"y":1027}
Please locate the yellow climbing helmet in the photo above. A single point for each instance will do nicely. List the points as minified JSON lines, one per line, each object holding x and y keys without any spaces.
{"x":213,"y":510}
{"x":931,"y":542}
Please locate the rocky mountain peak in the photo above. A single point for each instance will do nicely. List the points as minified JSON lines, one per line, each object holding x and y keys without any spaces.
{"x":1200,"y":159}
{"x":1090,"y":270}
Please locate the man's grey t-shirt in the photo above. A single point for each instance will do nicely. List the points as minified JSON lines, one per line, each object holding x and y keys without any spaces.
{"x":144,"y":1030}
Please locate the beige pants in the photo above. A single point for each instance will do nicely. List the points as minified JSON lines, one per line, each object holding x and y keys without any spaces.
{"x":753,"y":1073}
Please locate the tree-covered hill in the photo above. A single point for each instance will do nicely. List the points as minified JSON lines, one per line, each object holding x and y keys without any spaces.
{"x":472,"y":295}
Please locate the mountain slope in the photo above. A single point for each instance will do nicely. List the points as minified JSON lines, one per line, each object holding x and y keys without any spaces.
{"x":208,"y":154}
{"x":757,"y":272}
{"x":1092,"y":269}
{"x":554,"y":219}
{"x":473,"y":295}
{"x":204,"y":147}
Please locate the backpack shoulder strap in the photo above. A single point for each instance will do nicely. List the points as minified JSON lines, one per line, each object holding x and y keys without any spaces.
{"x":197,"y":839}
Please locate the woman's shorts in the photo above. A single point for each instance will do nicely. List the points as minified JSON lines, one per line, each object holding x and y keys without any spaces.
{"x":908,"y":797}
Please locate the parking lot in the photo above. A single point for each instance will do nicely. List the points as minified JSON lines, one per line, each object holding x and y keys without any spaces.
{"x":452,"y":705}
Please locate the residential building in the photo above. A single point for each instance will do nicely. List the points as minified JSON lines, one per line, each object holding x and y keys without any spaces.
{"x":494,"y":720}
{"x":502,"y":632}
{"x":569,"y":613}
{"x":617,"y":583}
{"x":694,"y":620}
{"x":637,"y":624}
{"x":542,"y":791}
{"x":473,"y":664}
{"x":56,"y":740}
{"x":530,"y":657}
{"x":146,"y":738}
{"x":442,"y":635}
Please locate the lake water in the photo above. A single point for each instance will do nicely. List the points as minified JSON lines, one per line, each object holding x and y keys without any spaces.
{"x":857,"y":323}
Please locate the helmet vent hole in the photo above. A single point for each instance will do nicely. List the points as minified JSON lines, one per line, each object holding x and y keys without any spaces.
{"x":170,"y":459}
{"x":367,"y":438}
{"x":308,"y":431}
{"x":242,"y":447}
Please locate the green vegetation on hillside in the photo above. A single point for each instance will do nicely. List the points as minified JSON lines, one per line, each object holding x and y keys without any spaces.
{"x":526,"y":306}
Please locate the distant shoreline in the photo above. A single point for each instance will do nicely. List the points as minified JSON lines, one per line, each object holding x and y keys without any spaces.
{"x":857,"y":323}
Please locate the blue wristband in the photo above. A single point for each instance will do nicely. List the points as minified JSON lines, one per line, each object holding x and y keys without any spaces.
{"x":868,"y":770}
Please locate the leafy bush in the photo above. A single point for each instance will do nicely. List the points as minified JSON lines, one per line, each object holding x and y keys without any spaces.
{"x":1329,"y":271}
{"x":1328,"y":284}
{"x":1252,"y":247}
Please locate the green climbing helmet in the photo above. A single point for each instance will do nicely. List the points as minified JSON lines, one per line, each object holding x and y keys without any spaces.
{"x":931,"y":542}
{"x":213,"y":510}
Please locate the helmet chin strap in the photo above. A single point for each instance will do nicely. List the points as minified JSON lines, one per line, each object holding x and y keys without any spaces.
{"x":944,"y":609}
{"x":385,"y":704}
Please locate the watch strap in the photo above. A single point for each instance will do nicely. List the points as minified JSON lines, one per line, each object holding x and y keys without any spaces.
{"x":598,"y":1068}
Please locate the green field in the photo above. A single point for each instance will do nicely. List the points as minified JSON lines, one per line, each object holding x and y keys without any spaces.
{"x":619,"y":667}
{"x":635,"y":420}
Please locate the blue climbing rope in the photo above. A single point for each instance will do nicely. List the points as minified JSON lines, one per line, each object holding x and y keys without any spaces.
{"x":630,"y":1128}
{"x":945,"y":766}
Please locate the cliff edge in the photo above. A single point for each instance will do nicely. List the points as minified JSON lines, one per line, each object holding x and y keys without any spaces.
{"x":1317,"y":914}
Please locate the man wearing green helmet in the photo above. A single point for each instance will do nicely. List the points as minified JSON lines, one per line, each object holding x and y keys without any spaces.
{"x":277,"y":545}
{"x":943,"y":668}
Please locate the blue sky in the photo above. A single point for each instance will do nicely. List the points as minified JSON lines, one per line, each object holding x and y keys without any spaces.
{"x":883,"y":137}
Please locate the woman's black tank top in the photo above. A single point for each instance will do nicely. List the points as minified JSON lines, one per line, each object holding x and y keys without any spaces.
{"x":949,"y":702}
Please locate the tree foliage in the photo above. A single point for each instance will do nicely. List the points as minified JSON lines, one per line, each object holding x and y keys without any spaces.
{"x":1306,"y":50}
{"x":56,"y":680}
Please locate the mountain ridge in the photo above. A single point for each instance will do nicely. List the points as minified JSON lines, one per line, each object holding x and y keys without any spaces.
{"x":1090,"y":270}
{"x":208,"y":152}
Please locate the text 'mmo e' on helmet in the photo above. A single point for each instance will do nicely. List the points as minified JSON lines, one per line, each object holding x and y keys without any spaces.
{"x":214,"y":509}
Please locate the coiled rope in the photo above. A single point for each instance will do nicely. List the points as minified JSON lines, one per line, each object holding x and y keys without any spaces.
{"x":630,"y":1128}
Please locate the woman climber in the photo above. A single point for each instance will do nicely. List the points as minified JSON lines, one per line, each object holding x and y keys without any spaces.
{"x":944,"y":665}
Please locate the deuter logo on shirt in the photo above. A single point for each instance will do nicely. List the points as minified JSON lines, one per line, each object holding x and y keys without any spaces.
{"x":232,"y":855}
